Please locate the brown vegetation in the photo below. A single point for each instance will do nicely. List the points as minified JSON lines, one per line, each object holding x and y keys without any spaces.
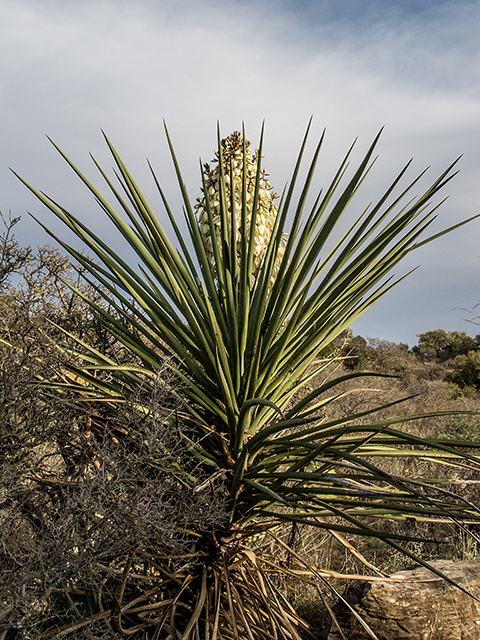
{"x":74,"y":504}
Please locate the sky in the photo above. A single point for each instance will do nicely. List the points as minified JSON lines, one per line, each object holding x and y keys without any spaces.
{"x":72,"y":68}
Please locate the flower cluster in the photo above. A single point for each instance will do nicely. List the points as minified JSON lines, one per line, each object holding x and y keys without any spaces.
{"x":232,"y":152}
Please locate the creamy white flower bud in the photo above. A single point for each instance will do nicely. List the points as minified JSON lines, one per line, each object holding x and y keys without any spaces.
{"x":232,"y":148}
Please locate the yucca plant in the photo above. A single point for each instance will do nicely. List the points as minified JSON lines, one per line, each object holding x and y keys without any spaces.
{"x":242,"y":311}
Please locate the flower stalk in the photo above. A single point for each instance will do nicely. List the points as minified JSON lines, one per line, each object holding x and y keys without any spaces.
{"x":226,"y":207}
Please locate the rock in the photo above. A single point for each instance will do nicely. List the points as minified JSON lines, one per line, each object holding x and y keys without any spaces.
{"x":416,"y":604}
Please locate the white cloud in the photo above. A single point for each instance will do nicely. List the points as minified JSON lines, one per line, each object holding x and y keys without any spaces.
{"x":67,"y":69}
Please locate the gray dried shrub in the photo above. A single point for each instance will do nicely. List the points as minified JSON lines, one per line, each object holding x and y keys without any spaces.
{"x":80,"y":491}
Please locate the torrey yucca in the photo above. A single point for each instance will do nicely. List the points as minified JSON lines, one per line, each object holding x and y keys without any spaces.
{"x":242,"y":310}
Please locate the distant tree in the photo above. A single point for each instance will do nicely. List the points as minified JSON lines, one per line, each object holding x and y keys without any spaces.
{"x":466,"y":370}
{"x":357,"y":353}
{"x":443,"y":345}
{"x":375,"y":354}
